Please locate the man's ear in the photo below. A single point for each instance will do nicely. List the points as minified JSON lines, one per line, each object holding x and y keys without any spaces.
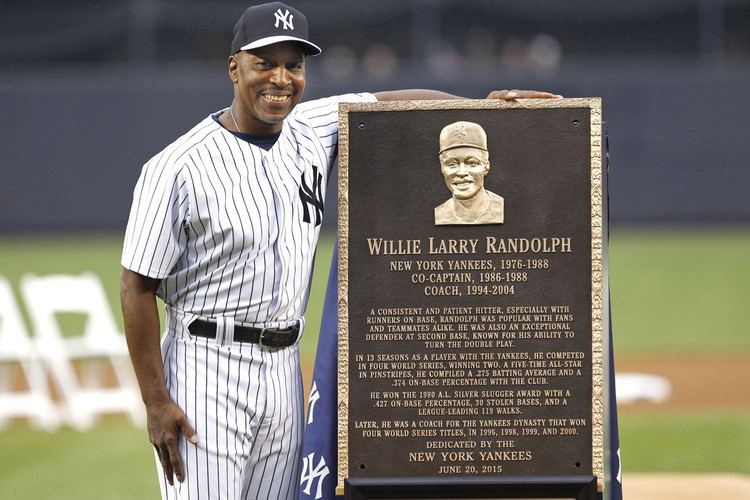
{"x":232,"y":66}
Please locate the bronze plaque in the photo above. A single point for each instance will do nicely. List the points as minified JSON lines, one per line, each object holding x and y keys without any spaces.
{"x":470,"y":289}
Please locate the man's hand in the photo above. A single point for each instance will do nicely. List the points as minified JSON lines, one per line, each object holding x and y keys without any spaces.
{"x":510,"y":95}
{"x":424,"y":94}
{"x":166,"y":422}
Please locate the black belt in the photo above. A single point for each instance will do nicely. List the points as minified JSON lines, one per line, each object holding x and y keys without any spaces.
{"x":268,"y":337}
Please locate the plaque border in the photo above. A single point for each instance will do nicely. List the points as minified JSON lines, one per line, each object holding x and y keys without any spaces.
{"x":594,"y":104}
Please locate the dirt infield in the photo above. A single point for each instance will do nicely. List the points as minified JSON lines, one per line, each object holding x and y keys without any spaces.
{"x":686,"y":487}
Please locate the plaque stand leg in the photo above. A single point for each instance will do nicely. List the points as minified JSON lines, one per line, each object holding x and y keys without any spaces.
{"x":569,"y":487}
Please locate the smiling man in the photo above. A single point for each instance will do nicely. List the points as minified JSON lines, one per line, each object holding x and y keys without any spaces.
{"x":464,"y":162}
{"x":223,"y":228}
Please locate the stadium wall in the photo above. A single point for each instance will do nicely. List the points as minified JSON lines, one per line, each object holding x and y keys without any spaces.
{"x":74,"y":141}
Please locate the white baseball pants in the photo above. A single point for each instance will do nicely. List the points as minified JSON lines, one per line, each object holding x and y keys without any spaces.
{"x":245,"y":402}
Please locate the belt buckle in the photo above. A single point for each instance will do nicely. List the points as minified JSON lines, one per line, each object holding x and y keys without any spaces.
{"x":262,"y":337}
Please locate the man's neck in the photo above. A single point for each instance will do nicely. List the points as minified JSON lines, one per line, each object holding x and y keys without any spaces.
{"x":470,"y":209}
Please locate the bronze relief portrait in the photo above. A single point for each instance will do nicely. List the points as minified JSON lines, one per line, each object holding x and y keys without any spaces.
{"x":464,"y":163}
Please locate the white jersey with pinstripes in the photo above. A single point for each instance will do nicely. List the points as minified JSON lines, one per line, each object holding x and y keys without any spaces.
{"x":223,"y":224}
{"x":230,"y":231}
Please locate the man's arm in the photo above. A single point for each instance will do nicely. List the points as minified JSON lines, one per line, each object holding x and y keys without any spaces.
{"x":425,"y":94}
{"x":165,"y":419}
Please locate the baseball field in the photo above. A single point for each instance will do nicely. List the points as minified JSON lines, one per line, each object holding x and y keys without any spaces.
{"x":680,"y":310}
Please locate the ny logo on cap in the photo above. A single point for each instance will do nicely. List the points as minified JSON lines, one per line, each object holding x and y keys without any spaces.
{"x":285,"y":18}
{"x":460,"y":131}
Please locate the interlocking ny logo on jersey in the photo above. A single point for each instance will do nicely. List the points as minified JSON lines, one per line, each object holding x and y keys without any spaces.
{"x":312,"y":473}
{"x":285,"y":18}
{"x":312,"y":196}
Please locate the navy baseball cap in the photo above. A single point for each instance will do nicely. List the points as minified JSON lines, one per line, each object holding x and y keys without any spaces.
{"x":270,"y":23}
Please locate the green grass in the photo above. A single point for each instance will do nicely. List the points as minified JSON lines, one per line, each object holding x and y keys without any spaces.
{"x":309,"y":342}
{"x":101,"y":255}
{"x":113,"y":461}
{"x":672,"y":291}
{"x":695,"y":441}
{"x":64,"y":255}
{"x":680,"y":290}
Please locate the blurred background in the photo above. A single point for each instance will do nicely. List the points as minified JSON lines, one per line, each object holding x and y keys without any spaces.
{"x":91,"y":90}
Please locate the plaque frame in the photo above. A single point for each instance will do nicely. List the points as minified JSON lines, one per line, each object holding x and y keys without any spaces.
{"x":598,"y":313}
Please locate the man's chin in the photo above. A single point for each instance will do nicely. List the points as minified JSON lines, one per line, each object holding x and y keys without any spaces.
{"x":464,"y":195}
{"x":276,"y":114}
{"x":275,"y":118}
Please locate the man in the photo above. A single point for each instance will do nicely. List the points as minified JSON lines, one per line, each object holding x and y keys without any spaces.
{"x":464,"y":162}
{"x":223,"y":229}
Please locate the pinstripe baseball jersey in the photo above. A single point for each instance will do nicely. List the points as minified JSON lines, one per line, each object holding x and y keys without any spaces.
{"x":229,"y":228}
